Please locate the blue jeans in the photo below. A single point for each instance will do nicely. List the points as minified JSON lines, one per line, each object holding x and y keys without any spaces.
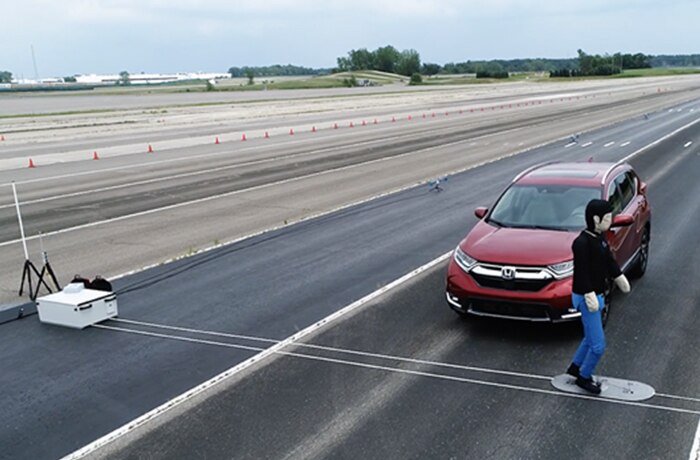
{"x":593,"y":344}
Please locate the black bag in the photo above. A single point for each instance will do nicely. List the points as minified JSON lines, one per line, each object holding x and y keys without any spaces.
{"x":80,"y":279}
{"x":100,"y":284}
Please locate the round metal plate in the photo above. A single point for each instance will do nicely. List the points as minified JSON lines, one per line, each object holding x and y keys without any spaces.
{"x":612,"y":388}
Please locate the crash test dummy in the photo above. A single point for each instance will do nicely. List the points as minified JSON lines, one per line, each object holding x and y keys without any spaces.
{"x":594,"y":265}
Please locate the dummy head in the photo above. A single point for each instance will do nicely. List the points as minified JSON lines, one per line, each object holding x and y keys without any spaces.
{"x":598,"y":216}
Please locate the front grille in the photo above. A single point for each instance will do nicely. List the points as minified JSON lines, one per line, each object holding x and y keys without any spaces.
{"x":510,"y":285}
{"x":505,"y":308}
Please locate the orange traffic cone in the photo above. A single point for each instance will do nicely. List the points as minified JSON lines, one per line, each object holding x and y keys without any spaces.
{"x":267,"y":135}
{"x":364,"y":123}
{"x":95,"y":156}
{"x":291,"y":131}
{"x":150,"y":149}
{"x":409,"y":117}
{"x":2,"y":138}
{"x":243,"y":138}
{"x":393,"y":119}
{"x":31,"y":163}
{"x":313,"y":129}
{"x":335,"y":125}
{"x":351,"y":125}
{"x":216,"y":141}
{"x":375,"y":121}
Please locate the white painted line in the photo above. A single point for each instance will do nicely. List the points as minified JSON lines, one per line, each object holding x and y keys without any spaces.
{"x":249,"y":149}
{"x":338,"y":350}
{"x":609,"y":144}
{"x":625,"y":144}
{"x":324,"y":213}
{"x":569,"y":145}
{"x":163,"y":408}
{"x":695,"y":449}
{"x":661,"y":139}
{"x":409,"y":372}
{"x":271,"y":184}
{"x":586,"y":144}
{"x":361,"y":353}
{"x":687,"y":144}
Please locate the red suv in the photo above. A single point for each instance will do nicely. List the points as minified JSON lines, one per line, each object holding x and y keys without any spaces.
{"x":517,"y":262}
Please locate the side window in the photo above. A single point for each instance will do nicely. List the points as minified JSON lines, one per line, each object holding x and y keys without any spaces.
{"x":615,"y":198}
{"x":627,"y":188}
{"x":621,"y":192}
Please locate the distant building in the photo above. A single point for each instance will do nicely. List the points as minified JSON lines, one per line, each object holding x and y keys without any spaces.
{"x":148,"y":78}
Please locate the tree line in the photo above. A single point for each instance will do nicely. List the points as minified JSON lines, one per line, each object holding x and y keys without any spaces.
{"x":275,"y":71}
{"x":384,"y":59}
{"x":678,"y":60}
{"x":408,"y":62}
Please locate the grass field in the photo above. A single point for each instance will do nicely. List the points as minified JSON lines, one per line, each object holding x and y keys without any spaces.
{"x":657,"y":72}
{"x":340,"y":79}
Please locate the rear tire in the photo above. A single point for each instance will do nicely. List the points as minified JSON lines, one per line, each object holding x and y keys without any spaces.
{"x":640,"y":267}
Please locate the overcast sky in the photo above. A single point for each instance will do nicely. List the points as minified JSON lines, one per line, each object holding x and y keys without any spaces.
{"x":107,"y":36}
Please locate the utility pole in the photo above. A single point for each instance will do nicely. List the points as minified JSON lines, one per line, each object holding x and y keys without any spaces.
{"x":36,"y":72}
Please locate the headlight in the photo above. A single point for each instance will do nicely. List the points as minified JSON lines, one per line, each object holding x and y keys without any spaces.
{"x":563,"y":269}
{"x":463,"y":260}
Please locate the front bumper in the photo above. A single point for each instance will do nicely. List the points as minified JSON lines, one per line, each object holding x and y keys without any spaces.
{"x":552,"y":303}
{"x":522,"y":311}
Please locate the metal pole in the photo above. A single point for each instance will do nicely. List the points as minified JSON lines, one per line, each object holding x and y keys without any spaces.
{"x":19,"y":218}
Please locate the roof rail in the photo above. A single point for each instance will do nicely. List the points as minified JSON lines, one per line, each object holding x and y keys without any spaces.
{"x":609,"y":170}
{"x":532,"y":168}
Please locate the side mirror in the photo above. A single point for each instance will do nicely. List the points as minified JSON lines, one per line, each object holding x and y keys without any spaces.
{"x":481,"y":211}
{"x":622,"y":220}
{"x":643,"y":188}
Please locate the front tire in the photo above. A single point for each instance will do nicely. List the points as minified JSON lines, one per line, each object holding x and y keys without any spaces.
{"x":605,"y":314}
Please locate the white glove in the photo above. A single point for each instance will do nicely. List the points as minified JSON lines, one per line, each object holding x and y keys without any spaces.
{"x":591,"y":301}
{"x":622,"y":283}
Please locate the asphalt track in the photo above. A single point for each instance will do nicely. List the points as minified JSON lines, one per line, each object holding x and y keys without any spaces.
{"x":70,"y":387}
{"x":46,"y":103}
{"x":135,"y":210}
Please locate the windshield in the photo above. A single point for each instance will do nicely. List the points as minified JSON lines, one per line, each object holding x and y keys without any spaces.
{"x":555,"y":207}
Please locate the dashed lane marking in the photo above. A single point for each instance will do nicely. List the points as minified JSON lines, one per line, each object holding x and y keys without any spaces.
{"x":687,"y":144}
{"x":587,"y":144}
{"x":609,"y":144}
{"x":661,"y":139}
{"x":625,"y":144}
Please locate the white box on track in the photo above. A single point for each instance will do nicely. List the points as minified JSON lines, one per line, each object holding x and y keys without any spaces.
{"x":77,"y":309}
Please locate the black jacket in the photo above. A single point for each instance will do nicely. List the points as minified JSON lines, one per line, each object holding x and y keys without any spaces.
{"x":593,"y":263}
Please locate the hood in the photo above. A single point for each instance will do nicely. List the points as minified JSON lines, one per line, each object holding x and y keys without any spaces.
{"x":518,"y":246}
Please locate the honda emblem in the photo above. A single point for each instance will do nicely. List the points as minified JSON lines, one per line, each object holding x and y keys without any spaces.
{"x":508,"y":273}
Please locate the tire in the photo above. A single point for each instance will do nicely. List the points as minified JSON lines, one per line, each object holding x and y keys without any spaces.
{"x":605,"y":314}
{"x":640,"y":267}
